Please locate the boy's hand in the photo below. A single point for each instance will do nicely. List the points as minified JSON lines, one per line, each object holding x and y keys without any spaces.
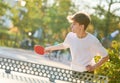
{"x":90,"y":68}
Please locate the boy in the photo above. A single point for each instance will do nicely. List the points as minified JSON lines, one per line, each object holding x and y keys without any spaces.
{"x":83,"y":45}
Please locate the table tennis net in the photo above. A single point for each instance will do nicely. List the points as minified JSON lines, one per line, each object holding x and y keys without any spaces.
{"x":53,"y":73}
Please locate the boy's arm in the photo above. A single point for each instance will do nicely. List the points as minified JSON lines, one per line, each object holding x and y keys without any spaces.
{"x":56,"y":47}
{"x":92,"y":68}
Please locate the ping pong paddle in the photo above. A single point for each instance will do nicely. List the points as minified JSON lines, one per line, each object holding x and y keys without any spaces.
{"x":39,"y":49}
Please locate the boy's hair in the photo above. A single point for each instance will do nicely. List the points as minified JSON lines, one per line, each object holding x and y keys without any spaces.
{"x":81,"y":18}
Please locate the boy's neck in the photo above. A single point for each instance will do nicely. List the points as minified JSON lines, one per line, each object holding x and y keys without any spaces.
{"x":82,"y":35}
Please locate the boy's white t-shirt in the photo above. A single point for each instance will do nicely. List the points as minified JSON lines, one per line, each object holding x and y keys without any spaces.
{"x":83,"y":50}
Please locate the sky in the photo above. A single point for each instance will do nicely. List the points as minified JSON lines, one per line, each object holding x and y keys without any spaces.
{"x":81,"y":4}
{"x":92,"y":3}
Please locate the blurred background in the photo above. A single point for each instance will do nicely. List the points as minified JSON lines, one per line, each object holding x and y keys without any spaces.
{"x":25,"y":23}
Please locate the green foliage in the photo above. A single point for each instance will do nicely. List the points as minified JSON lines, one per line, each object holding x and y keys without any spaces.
{"x":31,"y":15}
{"x":3,"y":8}
{"x":106,"y":20}
{"x":52,"y":19}
{"x":4,"y":34}
{"x":112,"y":67}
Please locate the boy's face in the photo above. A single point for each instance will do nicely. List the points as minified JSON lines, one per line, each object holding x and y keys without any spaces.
{"x":76,"y":27}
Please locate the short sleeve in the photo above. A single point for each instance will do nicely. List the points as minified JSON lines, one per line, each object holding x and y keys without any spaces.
{"x":66,"y":42}
{"x":98,"y":49}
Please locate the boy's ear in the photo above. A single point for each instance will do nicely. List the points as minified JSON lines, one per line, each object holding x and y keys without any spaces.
{"x":83,"y":27}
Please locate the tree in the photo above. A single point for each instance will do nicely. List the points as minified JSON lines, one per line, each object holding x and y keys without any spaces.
{"x":106,"y":20}
{"x":3,"y":8}
{"x":51,"y":18}
{"x":55,"y":19}
{"x":27,"y":18}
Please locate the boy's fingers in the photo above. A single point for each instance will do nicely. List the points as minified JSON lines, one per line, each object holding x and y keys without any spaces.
{"x":89,"y":68}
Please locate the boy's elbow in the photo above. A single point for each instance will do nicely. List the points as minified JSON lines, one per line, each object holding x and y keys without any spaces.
{"x":63,"y":46}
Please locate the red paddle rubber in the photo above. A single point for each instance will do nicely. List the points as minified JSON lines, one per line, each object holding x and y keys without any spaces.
{"x":39,"y":49}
